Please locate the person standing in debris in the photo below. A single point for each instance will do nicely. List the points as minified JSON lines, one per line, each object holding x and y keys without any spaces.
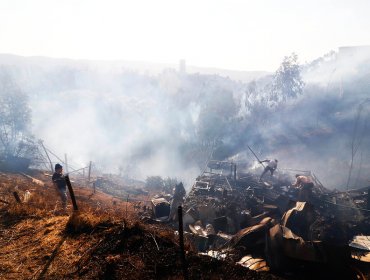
{"x":211,"y":236}
{"x":305,"y":185}
{"x":271,"y":166}
{"x":177,"y":200}
{"x":60,"y":184}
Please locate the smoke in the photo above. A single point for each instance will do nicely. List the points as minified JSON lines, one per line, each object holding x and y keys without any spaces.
{"x":124,"y":121}
{"x":315,"y":131}
{"x":141,"y":124}
{"x":335,"y":69}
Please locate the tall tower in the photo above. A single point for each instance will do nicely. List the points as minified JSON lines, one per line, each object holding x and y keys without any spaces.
{"x":182,"y":66}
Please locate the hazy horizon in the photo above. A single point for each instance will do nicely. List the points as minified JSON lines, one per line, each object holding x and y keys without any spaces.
{"x":237,"y":35}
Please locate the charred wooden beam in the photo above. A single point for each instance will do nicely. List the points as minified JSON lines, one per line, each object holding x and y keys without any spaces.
{"x":16,"y":196}
{"x":70,"y":189}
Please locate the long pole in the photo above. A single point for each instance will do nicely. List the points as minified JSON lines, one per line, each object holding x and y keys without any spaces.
{"x":182,"y":249}
{"x":66,"y":162}
{"x":255,"y":156}
{"x":74,"y":171}
{"x":89,"y":172}
{"x":127,"y":204}
{"x":46,"y":152}
{"x":235,"y":173}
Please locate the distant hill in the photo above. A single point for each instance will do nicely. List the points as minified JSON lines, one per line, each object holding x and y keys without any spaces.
{"x":139,"y":66}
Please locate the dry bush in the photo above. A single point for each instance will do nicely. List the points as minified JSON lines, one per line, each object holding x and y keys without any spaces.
{"x":19,"y":211}
{"x":34,"y":208}
{"x":87,"y":222}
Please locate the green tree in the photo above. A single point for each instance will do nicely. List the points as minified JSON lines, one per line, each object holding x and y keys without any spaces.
{"x":287,"y":81}
{"x":15,"y":116}
{"x":218,"y":109}
{"x":154,"y":182}
{"x":169,"y":184}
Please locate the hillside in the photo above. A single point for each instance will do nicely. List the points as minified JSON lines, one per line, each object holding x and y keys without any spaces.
{"x":105,"y":239}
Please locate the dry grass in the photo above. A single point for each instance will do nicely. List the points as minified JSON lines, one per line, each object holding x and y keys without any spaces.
{"x":25,"y":246}
{"x":45,"y":201}
{"x":36,"y":239}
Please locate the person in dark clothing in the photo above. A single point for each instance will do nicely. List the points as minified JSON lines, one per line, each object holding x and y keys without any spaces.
{"x":177,"y":200}
{"x":60,"y":184}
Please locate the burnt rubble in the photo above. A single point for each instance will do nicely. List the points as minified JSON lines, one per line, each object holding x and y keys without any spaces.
{"x":265,"y":227}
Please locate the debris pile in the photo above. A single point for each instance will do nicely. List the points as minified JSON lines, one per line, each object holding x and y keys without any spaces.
{"x":268,"y":226}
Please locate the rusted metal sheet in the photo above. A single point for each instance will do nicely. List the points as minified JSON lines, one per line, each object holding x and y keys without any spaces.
{"x":256,"y":264}
{"x":299,"y":219}
{"x":284,"y":242}
{"x":360,"y":248}
{"x":361,"y":242}
{"x":251,"y":236}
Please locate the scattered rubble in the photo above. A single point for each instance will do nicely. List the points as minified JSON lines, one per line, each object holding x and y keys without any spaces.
{"x":264,"y":226}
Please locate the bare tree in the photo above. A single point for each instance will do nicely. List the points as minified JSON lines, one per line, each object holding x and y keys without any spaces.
{"x":357,"y":137}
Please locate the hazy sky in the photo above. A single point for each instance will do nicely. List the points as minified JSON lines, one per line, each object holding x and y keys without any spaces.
{"x":241,"y":35}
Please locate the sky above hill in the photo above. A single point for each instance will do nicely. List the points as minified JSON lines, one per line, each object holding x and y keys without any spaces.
{"x":229,"y":34}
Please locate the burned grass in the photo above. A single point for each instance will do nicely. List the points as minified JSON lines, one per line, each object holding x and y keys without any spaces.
{"x":138,"y":252}
{"x":45,"y":249}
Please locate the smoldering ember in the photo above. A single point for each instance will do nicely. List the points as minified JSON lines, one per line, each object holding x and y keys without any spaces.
{"x":112,"y":172}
